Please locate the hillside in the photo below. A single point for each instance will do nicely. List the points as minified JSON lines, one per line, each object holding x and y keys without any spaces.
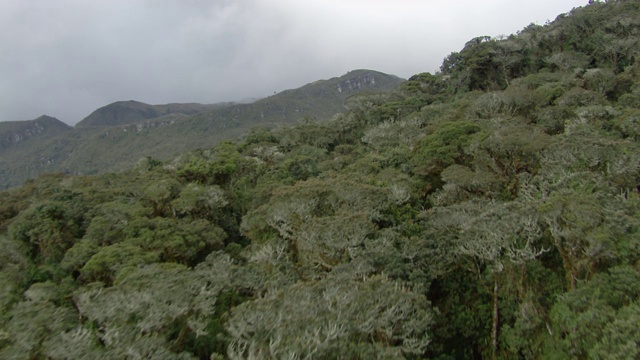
{"x":489,"y":211}
{"x":116,"y":136}
{"x":131,"y":112}
{"x":13,"y":133}
{"x":27,"y":148}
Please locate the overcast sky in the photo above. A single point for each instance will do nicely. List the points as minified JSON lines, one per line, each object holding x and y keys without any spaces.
{"x":66,"y":58}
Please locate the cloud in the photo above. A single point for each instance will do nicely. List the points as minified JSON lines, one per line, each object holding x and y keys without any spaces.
{"x":65,"y":58}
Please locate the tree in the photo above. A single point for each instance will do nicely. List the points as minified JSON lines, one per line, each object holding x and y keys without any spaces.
{"x":341,"y":318}
{"x":445,"y":146}
{"x":13,"y":272}
{"x":600,"y":80}
{"x":48,"y":229}
{"x":110,"y":261}
{"x":594,"y":316}
{"x":155,"y":311}
{"x":199,"y":200}
{"x":583,"y":231}
{"x":325,"y":222}
{"x":620,"y":337}
{"x":582,"y":192}
{"x":159,"y":194}
{"x":31,"y":323}
{"x":492,"y":236}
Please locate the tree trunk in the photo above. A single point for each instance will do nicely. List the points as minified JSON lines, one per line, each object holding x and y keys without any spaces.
{"x":568,"y":264}
{"x":496,"y":321}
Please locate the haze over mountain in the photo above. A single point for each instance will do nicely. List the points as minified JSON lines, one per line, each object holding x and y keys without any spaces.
{"x":116,"y":136}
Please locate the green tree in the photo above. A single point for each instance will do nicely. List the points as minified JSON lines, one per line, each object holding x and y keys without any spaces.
{"x":490,"y":238}
{"x":159,"y":194}
{"x":111,"y":260}
{"x":31,"y":324}
{"x":593,"y":317}
{"x":340,"y":318}
{"x":152,"y":312}
{"x":445,"y":146}
{"x":199,"y":200}
{"x":48,"y":229}
{"x":13,"y":271}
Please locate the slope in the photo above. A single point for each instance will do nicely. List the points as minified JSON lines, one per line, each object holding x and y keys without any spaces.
{"x":13,"y":133}
{"x":130,"y":112}
{"x":116,"y":136}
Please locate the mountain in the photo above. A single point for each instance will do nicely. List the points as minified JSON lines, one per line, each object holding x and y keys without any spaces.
{"x":117,"y":135}
{"x":130,"y":112}
{"x":29,"y":148}
{"x":321,"y":100}
{"x":13,"y":133}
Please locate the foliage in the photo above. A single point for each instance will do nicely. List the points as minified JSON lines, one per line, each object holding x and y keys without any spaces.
{"x":340,"y":318}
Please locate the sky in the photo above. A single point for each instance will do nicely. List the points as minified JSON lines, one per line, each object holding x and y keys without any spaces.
{"x":66,"y":58}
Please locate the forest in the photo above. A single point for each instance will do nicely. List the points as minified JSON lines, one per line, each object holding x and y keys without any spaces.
{"x":488,"y":211}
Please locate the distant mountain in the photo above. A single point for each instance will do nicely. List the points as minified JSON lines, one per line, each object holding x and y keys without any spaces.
{"x":15,"y":132}
{"x":321,"y":100}
{"x":130,"y":112}
{"x":328,"y":97}
{"x":117,"y":135}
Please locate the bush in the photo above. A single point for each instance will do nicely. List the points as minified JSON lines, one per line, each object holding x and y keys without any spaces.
{"x":600,"y":80}
{"x":630,"y":100}
{"x":581,"y":97}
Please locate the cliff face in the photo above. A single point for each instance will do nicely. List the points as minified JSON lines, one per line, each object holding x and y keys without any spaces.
{"x":15,"y":137}
{"x":359,"y":82}
{"x":14,"y":132}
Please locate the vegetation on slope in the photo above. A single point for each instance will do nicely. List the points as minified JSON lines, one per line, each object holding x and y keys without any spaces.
{"x":116,"y":136}
{"x":13,"y":133}
{"x":488,"y":211}
{"x":131,"y":112}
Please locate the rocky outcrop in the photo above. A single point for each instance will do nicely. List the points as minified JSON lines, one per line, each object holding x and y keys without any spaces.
{"x":14,"y":132}
{"x":362,"y":81}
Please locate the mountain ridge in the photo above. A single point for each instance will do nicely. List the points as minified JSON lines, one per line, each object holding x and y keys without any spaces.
{"x":115,"y":136}
{"x":132,"y":111}
{"x":13,"y":132}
